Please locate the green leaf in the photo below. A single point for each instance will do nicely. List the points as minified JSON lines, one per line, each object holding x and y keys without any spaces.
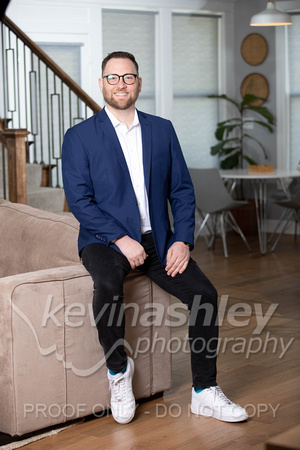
{"x":226,"y":129}
{"x":250,"y":160}
{"x":230,"y":162}
{"x":215,"y":149}
{"x":263,"y":111}
{"x":230,"y":128}
{"x":224,"y":142}
{"x":224,"y":97}
{"x":229,"y":150}
{"x":220,"y":133}
{"x":263,"y":124}
{"x":249,"y":98}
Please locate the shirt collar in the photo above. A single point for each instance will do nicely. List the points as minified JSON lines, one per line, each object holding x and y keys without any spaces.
{"x":116,"y":122}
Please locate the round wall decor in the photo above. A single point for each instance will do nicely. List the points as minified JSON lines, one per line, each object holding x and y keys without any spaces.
{"x":255,"y":84}
{"x":254,"y":49}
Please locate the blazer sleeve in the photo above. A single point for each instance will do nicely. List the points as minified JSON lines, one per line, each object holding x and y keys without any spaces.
{"x":181,"y":195}
{"x":79,"y":191}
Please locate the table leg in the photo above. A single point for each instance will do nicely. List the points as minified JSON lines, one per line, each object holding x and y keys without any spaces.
{"x":260,"y":196}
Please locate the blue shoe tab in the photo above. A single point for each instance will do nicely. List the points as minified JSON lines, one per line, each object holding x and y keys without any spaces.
{"x":199,"y":389}
{"x":116,"y":373}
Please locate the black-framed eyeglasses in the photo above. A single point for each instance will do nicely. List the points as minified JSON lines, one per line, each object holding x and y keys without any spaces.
{"x":128,"y":78}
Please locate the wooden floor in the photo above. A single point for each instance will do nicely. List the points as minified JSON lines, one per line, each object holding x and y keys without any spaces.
{"x":259,"y":371}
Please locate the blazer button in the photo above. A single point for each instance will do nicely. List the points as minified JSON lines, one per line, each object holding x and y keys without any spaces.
{"x":138,"y":228}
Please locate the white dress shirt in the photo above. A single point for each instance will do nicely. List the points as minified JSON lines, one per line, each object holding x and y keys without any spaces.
{"x":131,"y":142}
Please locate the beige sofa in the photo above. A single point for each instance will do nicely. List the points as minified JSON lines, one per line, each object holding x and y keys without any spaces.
{"x":52,"y":366}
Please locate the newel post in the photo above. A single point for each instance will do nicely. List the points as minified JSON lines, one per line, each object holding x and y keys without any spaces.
{"x":16,"y":150}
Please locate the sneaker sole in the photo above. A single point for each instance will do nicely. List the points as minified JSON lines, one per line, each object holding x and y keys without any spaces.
{"x":213,"y":414}
{"x":125,"y":421}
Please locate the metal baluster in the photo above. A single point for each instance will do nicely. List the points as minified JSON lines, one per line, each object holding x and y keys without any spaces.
{"x":33,"y":103}
{"x":62,"y":109}
{"x":56,"y":137}
{"x":70,"y":107}
{"x":40,"y":112}
{"x":25,"y":88}
{"x":48,"y":117}
{"x":18,"y":83}
{"x":10,"y":76}
{"x":3,"y":69}
{"x":62,"y":131}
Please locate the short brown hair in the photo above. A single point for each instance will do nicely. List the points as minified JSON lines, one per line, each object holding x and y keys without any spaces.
{"x":120,"y":54}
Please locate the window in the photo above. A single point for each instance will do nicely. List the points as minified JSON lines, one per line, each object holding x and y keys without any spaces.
{"x":134,"y":32}
{"x":195,"y":68}
{"x":66,"y":56}
{"x":293,"y":33}
{"x":195,"y":76}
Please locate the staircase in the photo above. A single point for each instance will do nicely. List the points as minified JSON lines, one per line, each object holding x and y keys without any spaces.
{"x":47,"y":198}
{"x":38,"y":196}
{"x":40,"y":97}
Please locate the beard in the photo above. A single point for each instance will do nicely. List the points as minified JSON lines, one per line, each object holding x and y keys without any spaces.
{"x":121,"y":104}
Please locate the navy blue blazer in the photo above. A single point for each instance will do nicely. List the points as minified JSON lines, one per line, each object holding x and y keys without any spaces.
{"x":99,"y":191}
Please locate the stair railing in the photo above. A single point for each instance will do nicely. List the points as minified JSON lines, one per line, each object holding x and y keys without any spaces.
{"x":37,"y":95}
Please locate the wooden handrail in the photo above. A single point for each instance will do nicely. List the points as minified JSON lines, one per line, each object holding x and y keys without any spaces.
{"x":52,"y":65}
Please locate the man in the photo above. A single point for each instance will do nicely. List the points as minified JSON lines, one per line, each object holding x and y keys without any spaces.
{"x":120,"y":169}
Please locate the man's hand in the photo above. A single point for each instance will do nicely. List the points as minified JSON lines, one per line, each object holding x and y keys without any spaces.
{"x":178,"y":257}
{"x":133,"y":251}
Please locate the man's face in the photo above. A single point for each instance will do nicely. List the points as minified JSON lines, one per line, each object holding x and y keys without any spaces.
{"x":120,"y":96}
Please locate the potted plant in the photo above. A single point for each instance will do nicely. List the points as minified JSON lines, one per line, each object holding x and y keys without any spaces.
{"x":232,"y":134}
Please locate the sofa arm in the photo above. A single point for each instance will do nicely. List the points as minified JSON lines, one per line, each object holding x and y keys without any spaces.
{"x":54,"y":368}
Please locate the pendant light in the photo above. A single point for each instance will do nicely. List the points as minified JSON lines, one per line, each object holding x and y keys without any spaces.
{"x":270,"y":17}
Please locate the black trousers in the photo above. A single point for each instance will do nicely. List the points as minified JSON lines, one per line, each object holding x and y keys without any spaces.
{"x":109,"y":269}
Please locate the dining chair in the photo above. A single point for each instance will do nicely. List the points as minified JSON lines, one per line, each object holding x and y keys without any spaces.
{"x":290,"y":190}
{"x":214,"y":205}
{"x":291,"y":210}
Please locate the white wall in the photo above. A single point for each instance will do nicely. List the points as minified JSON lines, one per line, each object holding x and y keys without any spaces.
{"x":80,"y":22}
{"x":62,"y":21}
{"x":244,"y":10}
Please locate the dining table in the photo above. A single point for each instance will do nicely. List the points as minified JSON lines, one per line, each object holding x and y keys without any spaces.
{"x":259,"y":180}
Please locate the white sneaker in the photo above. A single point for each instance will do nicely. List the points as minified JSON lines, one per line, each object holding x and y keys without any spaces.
{"x":122,"y":400}
{"x":212,"y":402}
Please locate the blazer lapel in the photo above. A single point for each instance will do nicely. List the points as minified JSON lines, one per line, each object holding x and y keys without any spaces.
{"x":111,"y":134}
{"x":146,"y":142}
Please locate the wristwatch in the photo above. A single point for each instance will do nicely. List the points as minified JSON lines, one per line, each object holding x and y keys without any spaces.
{"x":189,"y":245}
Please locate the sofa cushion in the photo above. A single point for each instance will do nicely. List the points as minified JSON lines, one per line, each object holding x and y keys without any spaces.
{"x":32,"y":239}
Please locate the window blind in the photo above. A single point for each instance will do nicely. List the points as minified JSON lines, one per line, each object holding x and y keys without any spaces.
{"x":134,"y":32}
{"x":294,"y":81}
{"x":195,"y":76}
